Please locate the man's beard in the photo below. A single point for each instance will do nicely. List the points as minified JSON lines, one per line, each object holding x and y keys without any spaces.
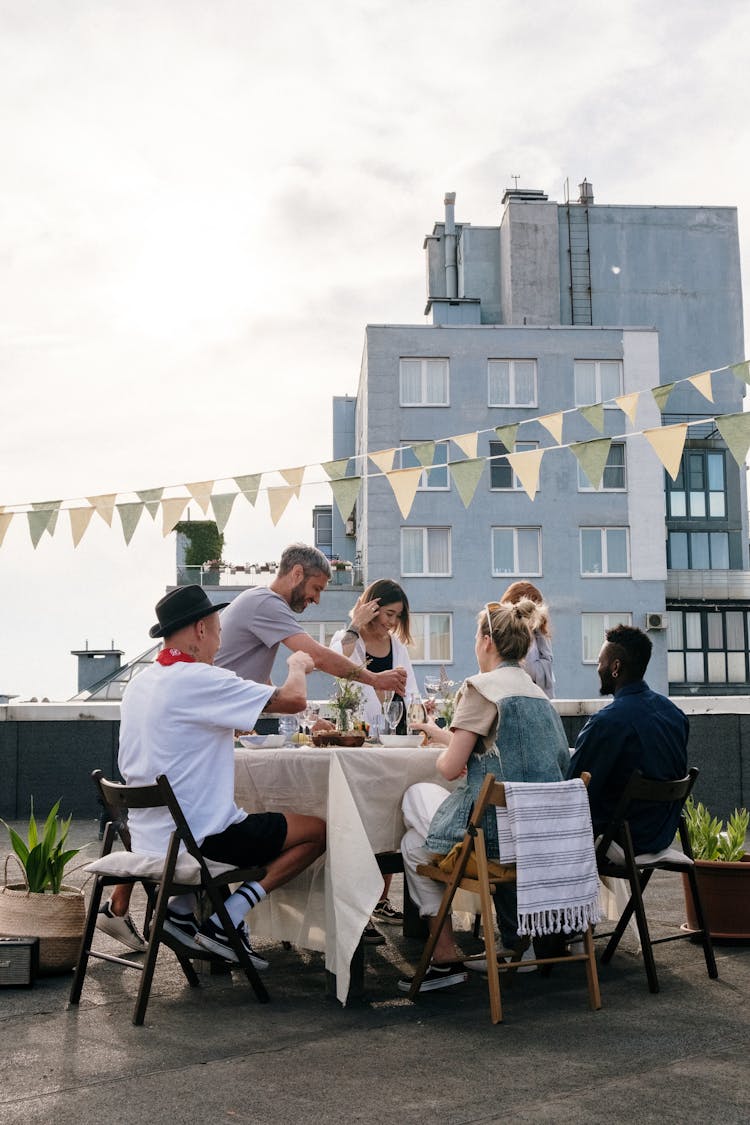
{"x":297,"y":599}
{"x":607,"y":685}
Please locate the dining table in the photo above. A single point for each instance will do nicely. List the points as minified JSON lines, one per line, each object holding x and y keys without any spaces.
{"x":358,"y":793}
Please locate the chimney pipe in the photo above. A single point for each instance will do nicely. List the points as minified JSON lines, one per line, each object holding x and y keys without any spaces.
{"x":586,"y":192}
{"x":451,"y":275}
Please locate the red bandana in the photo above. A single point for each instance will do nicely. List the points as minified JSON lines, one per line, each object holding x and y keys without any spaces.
{"x":169,"y":656}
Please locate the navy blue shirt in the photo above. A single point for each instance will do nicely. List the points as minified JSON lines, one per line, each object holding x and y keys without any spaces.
{"x":641,"y":730}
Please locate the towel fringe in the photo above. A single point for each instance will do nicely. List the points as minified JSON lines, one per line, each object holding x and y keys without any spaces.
{"x":568,"y":919}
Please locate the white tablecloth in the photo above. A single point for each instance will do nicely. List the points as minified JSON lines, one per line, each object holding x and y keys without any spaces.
{"x":358,"y":792}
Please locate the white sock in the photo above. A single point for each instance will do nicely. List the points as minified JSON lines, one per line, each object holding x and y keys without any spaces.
{"x":244,"y":898}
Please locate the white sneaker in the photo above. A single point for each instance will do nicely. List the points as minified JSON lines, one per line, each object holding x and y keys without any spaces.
{"x":480,"y":964}
{"x":121,"y":927}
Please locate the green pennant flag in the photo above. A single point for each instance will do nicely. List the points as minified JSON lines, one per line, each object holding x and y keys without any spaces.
{"x":735,"y":429}
{"x":39,"y":520}
{"x":742,"y":370}
{"x":661,"y":394}
{"x":594,"y":415}
{"x":151,"y":498}
{"x":466,"y":474}
{"x":424,"y":451}
{"x":222,"y":505}
{"x":249,"y":486}
{"x":335,"y":470}
{"x":129,"y":516}
{"x":507,"y":435}
{"x":592,"y":456}
{"x":345,"y":493}
{"x":54,"y":506}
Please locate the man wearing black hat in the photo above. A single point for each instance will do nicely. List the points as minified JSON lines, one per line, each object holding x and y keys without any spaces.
{"x":178,"y":717}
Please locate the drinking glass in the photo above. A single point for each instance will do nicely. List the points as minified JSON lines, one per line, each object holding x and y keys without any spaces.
{"x":310,"y":716}
{"x":432,"y":685}
{"x":288,"y":726}
{"x":385,"y":698}
{"x":415,"y":712}
{"x":393,"y":713}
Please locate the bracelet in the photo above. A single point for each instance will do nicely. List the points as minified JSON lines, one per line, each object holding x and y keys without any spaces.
{"x":353,"y":632}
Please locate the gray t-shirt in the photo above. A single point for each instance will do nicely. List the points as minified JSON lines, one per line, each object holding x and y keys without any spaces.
{"x":252,"y":627}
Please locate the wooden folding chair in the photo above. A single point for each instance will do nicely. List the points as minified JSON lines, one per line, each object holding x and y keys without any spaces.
{"x":490,"y":875}
{"x":616,"y":859}
{"x":162,"y":877}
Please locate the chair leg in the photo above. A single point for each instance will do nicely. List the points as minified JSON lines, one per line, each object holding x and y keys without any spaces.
{"x":434,"y":933}
{"x":592,"y":977}
{"x":88,"y":937}
{"x":234,"y":940}
{"x":157,"y":921}
{"x":490,"y":951}
{"x":637,"y":886}
{"x":708,"y":949}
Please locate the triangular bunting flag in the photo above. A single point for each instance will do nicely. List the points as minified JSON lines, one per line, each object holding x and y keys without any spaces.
{"x":735,"y":429}
{"x":104,"y":505}
{"x":594,"y":415}
{"x":661,"y":394}
{"x":278,"y":498}
{"x":629,"y":404}
{"x":383,"y":458}
{"x":38,"y":523}
{"x":5,"y":518}
{"x":80,"y":518}
{"x":592,"y":456}
{"x":294,"y":477}
{"x":507,"y":435}
{"x":345,"y":493}
{"x":222,"y":506}
{"x":201,"y":493}
{"x":171,"y":512}
{"x":44,"y":505}
{"x":151,"y":498}
{"x":129,"y":516}
{"x":466,"y":474}
{"x":742,"y":370}
{"x":424,"y":451}
{"x":335,"y":470}
{"x":668,"y":443}
{"x":526,"y":466}
{"x":249,"y":486}
{"x":467,"y":443}
{"x":703,"y":384}
{"x":404,"y":483}
{"x":553,"y":424}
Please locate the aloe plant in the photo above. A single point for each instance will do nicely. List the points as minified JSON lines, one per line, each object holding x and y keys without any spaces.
{"x":709,"y":838}
{"x":44,"y":857}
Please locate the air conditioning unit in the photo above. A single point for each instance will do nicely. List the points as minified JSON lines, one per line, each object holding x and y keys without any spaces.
{"x":656,"y":621}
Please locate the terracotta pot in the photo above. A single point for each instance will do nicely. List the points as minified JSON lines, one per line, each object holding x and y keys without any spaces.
{"x":725,"y":893}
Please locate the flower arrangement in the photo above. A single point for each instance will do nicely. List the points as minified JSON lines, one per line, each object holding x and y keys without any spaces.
{"x":347,"y":696}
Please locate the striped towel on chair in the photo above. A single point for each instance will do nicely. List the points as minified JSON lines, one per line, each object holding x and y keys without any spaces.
{"x":546,"y":831}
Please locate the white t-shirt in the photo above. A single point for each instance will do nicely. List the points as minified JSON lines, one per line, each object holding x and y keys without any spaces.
{"x":179,"y":720}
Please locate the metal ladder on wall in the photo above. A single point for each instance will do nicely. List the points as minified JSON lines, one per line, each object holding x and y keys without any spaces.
{"x":579,"y":261}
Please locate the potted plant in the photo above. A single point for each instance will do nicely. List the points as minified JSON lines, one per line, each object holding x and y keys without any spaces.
{"x":722,"y":870}
{"x":42,"y":905}
{"x":346,"y":698}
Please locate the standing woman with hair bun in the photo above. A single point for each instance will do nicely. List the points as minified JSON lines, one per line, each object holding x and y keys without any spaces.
{"x":538,"y":662}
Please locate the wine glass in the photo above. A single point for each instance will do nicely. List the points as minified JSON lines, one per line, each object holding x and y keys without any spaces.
{"x":393,"y":713}
{"x":415,"y":712}
{"x":310,"y":716}
{"x":432,"y":685}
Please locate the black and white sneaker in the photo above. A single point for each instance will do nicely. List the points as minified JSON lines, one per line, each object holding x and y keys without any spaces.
{"x":371,"y":935}
{"x":183,"y":928}
{"x":121,"y":927}
{"x":438,"y":976}
{"x":386,"y":912}
{"x":212,"y":937}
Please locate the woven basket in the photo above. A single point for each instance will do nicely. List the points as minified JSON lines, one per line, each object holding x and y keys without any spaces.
{"x":57,"y":920}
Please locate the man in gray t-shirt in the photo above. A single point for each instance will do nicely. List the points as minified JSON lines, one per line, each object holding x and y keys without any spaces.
{"x":259,"y":620}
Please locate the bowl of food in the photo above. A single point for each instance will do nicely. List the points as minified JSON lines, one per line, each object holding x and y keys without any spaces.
{"x":396,"y":741}
{"x":261,"y":741}
{"x":338,"y":738}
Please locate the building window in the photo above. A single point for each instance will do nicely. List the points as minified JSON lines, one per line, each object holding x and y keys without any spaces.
{"x":432,"y":638}
{"x":322,"y":631}
{"x":511,"y":382}
{"x":517,"y":550}
{"x":593,"y":629}
{"x":699,"y":490}
{"x":597,"y":380}
{"x":502,"y":477}
{"x":613,"y":477}
{"x":698,"y":550}
{"x":604,"y":551}
{"x":323,"y":529}
{"x":423,"y":382}
{"x":708,"y":646}
{"x":434,"y":479}
{"x":425,"y":551}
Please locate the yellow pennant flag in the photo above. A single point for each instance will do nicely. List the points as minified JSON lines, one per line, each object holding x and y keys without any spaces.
{"x":249,"y":486}
{"x":201,"y":493}
{"x":467,"y":443}
{"x":129,"y":517}
{"x":703,"y":384}
{"x":171,"y":512}
{"x":592,"y":456}
{"x":294,"y":477}
{"x":278,"y":498}
{"x":527,"y":466}
{"x":5,"y":518}
{"x":668,"y":443}
{"x":222,"y":506}
{"x":383,"y":459}
{"x":553,"y":424}
{"x":661,"y":394}
{"x":466,"y":474}
{"x":735,"y":429}
{"x":594,"y":415}
{"x":404,"y":483}
{"x":629,"y":404}
{"x":104,"y":505}
{"x":80,"y":518}
{"x":345,"y":493}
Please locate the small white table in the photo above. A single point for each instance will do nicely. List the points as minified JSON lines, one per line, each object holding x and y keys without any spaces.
{"x":358,"y":792}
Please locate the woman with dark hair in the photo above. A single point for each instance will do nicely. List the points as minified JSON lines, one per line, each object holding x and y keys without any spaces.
{"x":538,"y":662}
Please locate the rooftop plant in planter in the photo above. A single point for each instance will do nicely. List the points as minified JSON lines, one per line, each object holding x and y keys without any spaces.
{"x":722,"y":869}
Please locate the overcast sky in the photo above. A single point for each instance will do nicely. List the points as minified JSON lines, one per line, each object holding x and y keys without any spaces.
{"x":203,"y":202}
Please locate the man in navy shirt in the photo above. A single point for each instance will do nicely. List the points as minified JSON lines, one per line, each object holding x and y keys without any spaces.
{"x":640,"y":730}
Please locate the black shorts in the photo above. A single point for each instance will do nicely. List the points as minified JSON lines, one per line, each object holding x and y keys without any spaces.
{"x":257,"y":839}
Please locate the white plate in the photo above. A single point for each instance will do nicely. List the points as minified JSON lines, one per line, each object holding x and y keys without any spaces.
{"x":261,"y":741}
{"x":395,"y":740}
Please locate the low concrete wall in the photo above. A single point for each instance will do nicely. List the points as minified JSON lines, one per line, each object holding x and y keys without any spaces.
{"x":48,"y":751}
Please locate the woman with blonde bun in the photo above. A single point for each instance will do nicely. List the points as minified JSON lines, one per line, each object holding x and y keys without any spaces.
{"x":538,"y":662}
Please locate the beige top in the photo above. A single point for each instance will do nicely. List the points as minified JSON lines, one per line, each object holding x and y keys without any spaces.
{"x":478,"y":697}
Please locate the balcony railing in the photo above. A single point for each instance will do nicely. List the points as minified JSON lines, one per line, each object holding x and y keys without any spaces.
{"x":708,"y":585}
{"x":261,"y":574}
